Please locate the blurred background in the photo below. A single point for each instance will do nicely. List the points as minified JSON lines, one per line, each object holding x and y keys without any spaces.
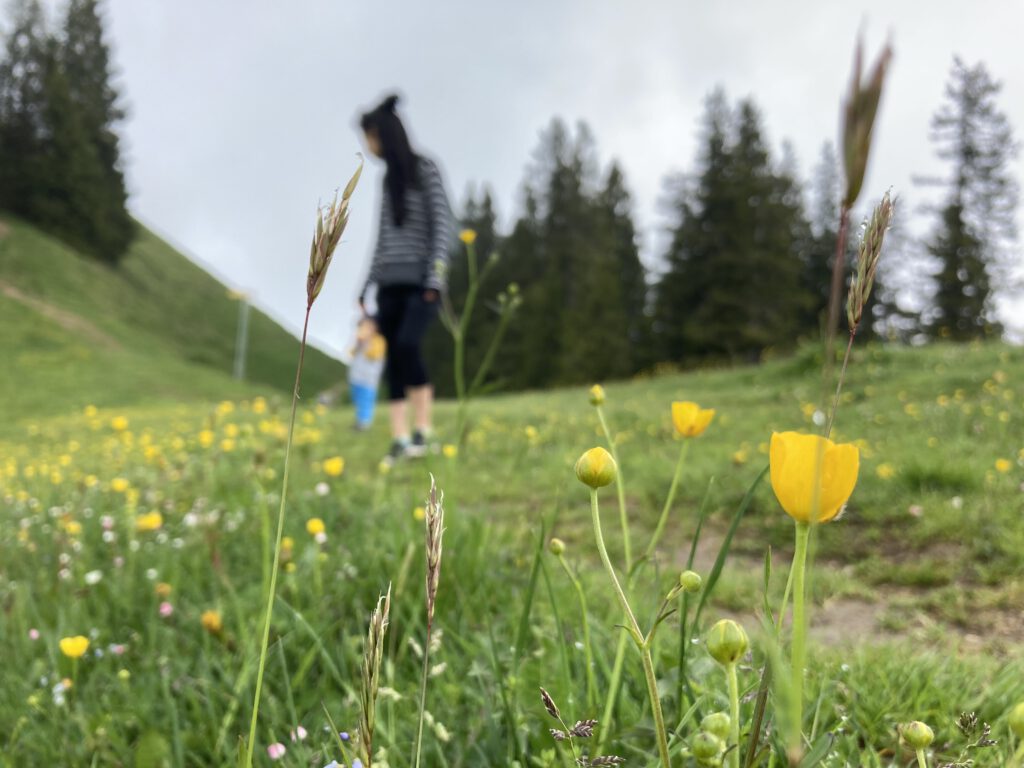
{"x":584,"y":143}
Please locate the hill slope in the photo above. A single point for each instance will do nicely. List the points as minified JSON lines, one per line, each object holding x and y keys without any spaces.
{"x":157,"y":327}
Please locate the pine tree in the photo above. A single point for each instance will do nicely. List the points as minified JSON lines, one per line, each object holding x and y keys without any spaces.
{"x":85,"y":57}
{"x":976,"y":220}
{"x":733,"y":284}
{"x":23,"y":108}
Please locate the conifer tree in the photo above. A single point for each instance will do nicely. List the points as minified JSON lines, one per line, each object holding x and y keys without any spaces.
{"x":976,"y":221}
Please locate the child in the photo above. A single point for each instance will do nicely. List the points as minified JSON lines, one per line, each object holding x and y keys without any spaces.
{"x":365,"y":369}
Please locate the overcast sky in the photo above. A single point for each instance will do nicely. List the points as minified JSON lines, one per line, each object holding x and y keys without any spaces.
{"x":241,"y":114}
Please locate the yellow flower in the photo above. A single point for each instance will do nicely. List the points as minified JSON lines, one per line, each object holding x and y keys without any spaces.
{"x":796,"y":460}
{"x":227,"y":445}
{"x":163,"y":589}
{"x":119,"y":485}
{"x":119,"y":423}
{"x":885,"y":471}
{"x":596,"y":468}
{"x":259,"y":405}
{"x":315,"y":526}
{"x":450,"y":451}
{"x":419,"y":513}
{"x":74,"y":647}
{"x":90,"y":411}
{"x":211,"y":621}
{"x":206,"y":438}
{"x":73,"y":528}
{"x":468,"y":236}
{"x":334,"y":466}
{"x":690,"y":419}
{"x":597,"y":395}
{"x":1003,"y":465}
{"x":287,"y":544}
{"x":150,"y":521}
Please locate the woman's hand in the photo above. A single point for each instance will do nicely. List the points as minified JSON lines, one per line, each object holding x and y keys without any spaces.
{"x":430,"y":295}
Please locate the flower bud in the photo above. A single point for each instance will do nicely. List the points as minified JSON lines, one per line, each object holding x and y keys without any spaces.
{"x":727,"y":642}
{"x":597,"y":395}
{"x":717,"y":723}
{"x":690,"y":581}
{"x":917,"y":734}
{"x":556,"y":547}
{"x":1017,"y":720}
{"x":596,"y":468}
{"x":707,"y":747}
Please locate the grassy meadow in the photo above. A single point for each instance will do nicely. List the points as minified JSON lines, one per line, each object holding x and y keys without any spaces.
{"x":146,"y":527}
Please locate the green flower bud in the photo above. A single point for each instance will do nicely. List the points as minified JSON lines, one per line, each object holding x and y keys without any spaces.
{"x":690,"y":581}
{"x":596,"y":468}
{"x":707,"y":748}
{"x":917,"y":734}
{"x":556,"y":546}
{"x":597,"y":395}
{"x":727,"y":642}
{"x":717,"y":723}
{"x":1017,"y":720}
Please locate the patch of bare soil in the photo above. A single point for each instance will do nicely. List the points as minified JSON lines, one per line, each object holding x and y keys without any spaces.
{"x":4,"y":230}
{"x":888,"y":613}
{"x":68,"y":320}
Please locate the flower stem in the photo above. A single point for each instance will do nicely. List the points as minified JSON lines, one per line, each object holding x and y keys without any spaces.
{"x":839,"y":385}
{"x":620,"y":489}
{"x":660,"y":528}
{"x":423,"y":698}
{"x":922,"y":761}
{"x":277,"y":547}
{"x":734,"y":716}
{"x":587,"y":652}
{"x":634,"y":628}
{"x":799,"y":642}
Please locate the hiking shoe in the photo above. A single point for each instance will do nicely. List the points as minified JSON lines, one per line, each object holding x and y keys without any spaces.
{"x":421,"y":444}
{"x":399,"y":450}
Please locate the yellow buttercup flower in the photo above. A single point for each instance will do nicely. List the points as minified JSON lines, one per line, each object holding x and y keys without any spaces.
{"x":419,"y":513}
{"x":1003,"y":465}
{"x":206,"y":438}
{"x":74,"y":647}
{"x":468,"y":236}
{"x":315,"y":526}
{"x":119,"y":423}
{"x":803,"y":467}
{"x":450,"y":451}
{"x":150,"y":521}
{"x":885,"y":471}
{"x":334,"y":466}
{"x":119,"y":485}
{"x":211,"y":621}
{"x":690,"y":419}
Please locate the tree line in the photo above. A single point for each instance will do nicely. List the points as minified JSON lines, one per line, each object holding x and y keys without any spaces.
{"x":60,"y":160}
{"x":747,"y":261}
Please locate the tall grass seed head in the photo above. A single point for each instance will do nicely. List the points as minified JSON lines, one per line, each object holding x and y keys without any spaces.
{"x":689,"y":419}
{"x":859,"y":111}
{"x":330,"y":224}
{"x":812,"y":477}
{"x":1016,"y":720}
{"x":596,"y":468}
{"x":868,"y":256}
{"x":727,"y":642}
{"x":917,"y":735}
{"x":717,"y":723}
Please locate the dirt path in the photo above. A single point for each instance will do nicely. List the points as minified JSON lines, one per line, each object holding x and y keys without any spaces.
{"x":76,"y":324}
{"x":889,"y":613}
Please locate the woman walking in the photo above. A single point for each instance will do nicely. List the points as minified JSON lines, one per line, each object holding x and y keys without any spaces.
{"x":409,"y":269}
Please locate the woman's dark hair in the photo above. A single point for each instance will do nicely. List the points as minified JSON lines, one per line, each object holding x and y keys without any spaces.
{"x":398,"y":154}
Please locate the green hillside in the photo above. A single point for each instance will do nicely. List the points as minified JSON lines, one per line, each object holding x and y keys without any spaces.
{"x":158,"y":327}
